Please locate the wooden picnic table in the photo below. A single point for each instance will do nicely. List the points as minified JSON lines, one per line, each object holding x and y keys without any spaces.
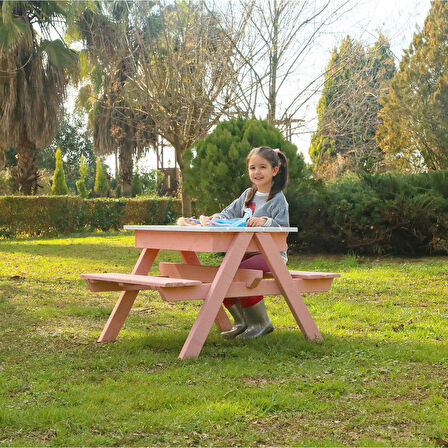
{"x":192,"y":281}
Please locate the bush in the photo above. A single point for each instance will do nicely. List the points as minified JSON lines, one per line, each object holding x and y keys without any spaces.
{"x":59,"y":186}
{"x":42,"y":215}
{"x":216,"y":172}
{"x":374,"y":214}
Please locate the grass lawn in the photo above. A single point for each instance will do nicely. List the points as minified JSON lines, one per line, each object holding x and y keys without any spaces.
{"x":379,"y":378}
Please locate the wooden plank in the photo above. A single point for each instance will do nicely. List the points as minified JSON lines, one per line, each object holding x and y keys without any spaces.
{"x":308,"y":275}
{"x":127,"y":298}
{"x":240,"y":289}
{"x":222,"y":321}
{"x":218,"y":290}
{"x":196,"y":241}
{"x":143,"y":280}
{"x":251,"y":277}
{"x":289,"y":290}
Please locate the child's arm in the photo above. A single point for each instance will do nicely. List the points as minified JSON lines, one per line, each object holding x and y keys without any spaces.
{"x":279,"y":216}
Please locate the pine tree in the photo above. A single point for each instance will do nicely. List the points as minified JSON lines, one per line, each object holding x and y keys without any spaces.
{"x":415,"y":112}
{"x":136,"y":185}
{"x":81,"y":184}
{"x":218,"y":171}
{"x":101,"y":187}
{"x":348,"y":108}
{"x":59,"y":186}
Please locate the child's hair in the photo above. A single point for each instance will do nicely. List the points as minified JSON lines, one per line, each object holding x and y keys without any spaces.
{"x":275,"y":158}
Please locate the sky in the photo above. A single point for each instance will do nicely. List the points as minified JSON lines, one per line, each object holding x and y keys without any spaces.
{"x":396,"y":19}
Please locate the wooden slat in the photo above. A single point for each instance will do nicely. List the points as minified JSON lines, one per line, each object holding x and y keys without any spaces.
{"x":251,"y":277}
{"x":239,"y":289}
{"x":144,"y":280}
{"x":307,"y":275}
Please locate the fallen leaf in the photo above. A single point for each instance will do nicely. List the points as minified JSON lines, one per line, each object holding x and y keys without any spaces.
{"x":16,"y":277}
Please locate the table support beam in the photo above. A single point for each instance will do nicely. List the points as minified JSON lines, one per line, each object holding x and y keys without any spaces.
{"x":127,"y":298}
{"x":213,"y":302}
{"x":286,"y":284}
{"x":222,"y":321}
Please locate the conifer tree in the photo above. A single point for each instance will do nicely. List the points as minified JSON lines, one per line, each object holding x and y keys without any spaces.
{"x":415,"y":131}
{"x":348,"y":108}
{"x":59,"y":186}
{"x":217,"y":172}
{"x":136,"y":185}
{"x":81,"y":183}
{"x":101,"y":187}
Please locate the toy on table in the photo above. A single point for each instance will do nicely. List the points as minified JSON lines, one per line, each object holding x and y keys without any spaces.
{"x":211,"y":221}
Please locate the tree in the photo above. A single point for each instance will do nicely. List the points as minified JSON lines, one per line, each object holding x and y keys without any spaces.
{"x":34,"y":73}
{"x":279,"y":35}
{"x":137,"y":187}
{"x":415,"y":111}
{"x":59,"y":186}
{"x":186,"y":73}
{"x":81,"y":183}
{"x":348,"y":109}
{"x":105,"y":31}
{"x":218,"y":172}
{"x":75,"y":144}
{"x":101,"y":187}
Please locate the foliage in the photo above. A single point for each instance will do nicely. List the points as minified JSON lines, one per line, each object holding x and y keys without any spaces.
{"x":59,"y":186}
{"x":186,"y":71}
{"x":105,"y":28}
{"x":81,"y":183}
{"x":101,"y":187}
{"x":415,"y":131}
{"x":136,"y":186}
{"x":218,"y":172}
{"x":377,"y":379}
{"x":388,"y":213}
{"x":42,"y":215}
{"x":31,"y":101}
{"x":7,"y":182}
{"x":75,"y":143}
{"x":348,"y":109}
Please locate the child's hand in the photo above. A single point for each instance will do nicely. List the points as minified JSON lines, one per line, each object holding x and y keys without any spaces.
{"x":256,"y":222}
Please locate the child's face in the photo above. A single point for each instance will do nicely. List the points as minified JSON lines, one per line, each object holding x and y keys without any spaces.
{"x":261,"y":173}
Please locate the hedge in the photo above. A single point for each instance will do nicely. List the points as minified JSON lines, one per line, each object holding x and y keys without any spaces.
{"x":378,"y":214}
{"x":43,"y":215}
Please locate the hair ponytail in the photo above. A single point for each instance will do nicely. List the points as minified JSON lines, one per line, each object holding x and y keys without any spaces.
{"x":275,"y":158}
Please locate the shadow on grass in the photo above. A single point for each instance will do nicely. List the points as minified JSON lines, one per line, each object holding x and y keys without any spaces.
{"x":159,"y":327}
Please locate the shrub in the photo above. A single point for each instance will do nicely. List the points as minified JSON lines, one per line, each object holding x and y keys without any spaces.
{"x":101,"y":187}
{"x":81,"y":183}
{"x":40,"y":215}
{"x":374,"y":214}
{"x":59,"y":186}
{"x":218,"y":172}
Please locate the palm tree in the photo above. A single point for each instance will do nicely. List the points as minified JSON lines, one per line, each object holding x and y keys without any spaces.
{"x":115,"y":124}
{"x":34,"y":73}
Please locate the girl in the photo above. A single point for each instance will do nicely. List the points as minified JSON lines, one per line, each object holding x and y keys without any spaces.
{"x":264,"y":204}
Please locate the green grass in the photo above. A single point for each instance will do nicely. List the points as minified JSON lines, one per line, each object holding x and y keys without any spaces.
{"x":379,"y":378}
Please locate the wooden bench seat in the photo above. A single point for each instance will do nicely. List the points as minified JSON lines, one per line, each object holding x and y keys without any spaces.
{"x":251,"y":277}
{"x":307,"y":275}
{"x":130,"y":282}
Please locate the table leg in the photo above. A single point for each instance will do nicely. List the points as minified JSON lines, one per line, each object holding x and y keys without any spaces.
{"x":127,"y":298}
{"x":222,"y":321}
{"x":218,"y":290}
{"x":293,"y":297}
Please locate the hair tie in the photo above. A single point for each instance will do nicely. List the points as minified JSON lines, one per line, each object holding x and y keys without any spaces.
{"x":276,"y":150}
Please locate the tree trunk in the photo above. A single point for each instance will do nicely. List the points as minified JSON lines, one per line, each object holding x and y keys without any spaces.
{"x":126,"y":169}
{"x":27,"y":170}
{"x":186,"y":200}
{"x":273,"y":64}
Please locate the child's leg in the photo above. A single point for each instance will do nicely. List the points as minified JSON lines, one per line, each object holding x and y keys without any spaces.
{"x":256,"y":261}
{"x":253,"y":262}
